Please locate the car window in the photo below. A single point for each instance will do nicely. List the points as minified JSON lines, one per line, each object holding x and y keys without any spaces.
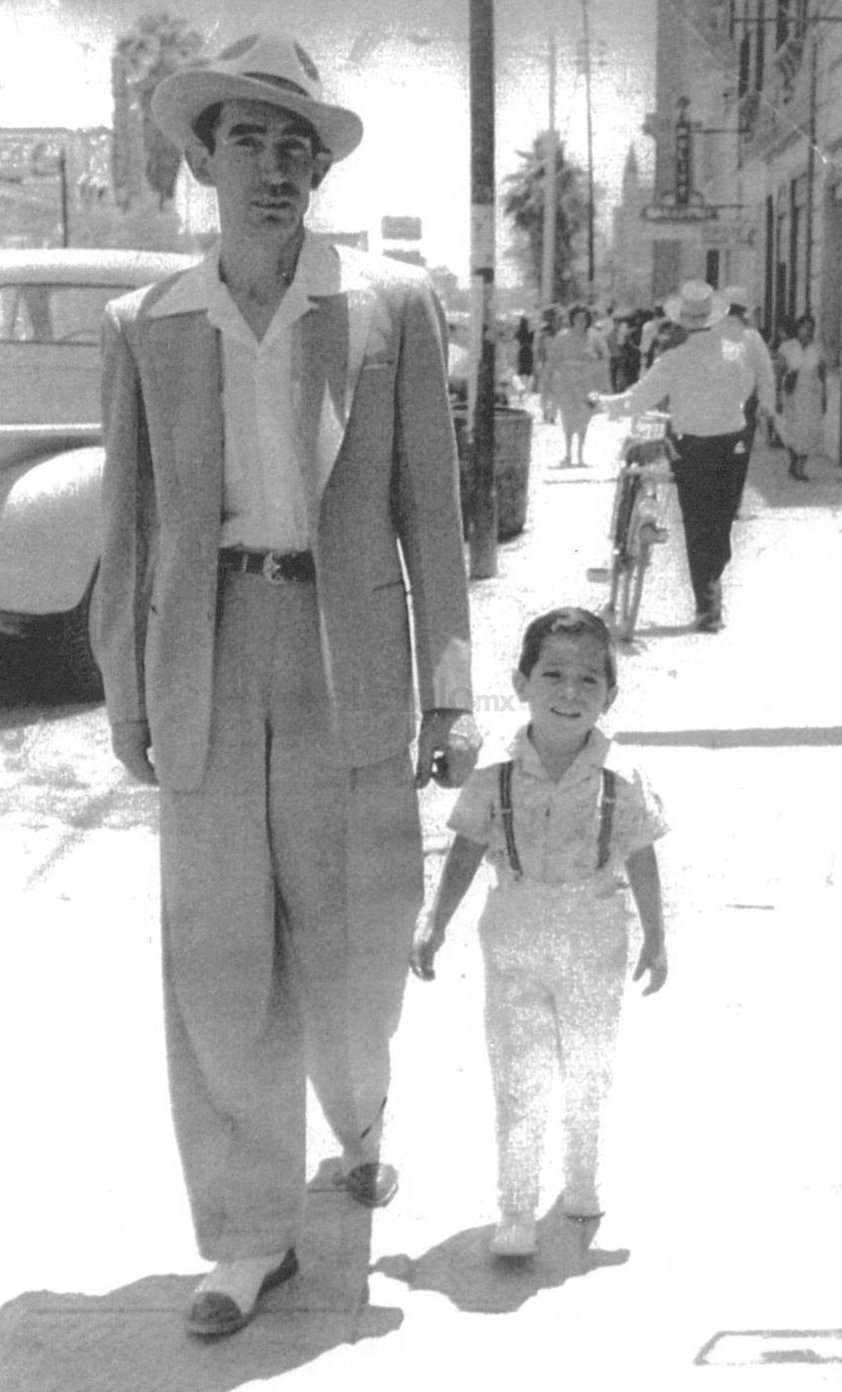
{"x":54,"y":313}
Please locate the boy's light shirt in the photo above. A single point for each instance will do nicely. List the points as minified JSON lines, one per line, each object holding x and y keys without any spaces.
{"x":556,"y":824}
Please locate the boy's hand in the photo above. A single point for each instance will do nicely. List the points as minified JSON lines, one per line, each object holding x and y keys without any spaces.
{"x":654,"y":960}
{"x":448,"y":744}
{"x":426,"y":941}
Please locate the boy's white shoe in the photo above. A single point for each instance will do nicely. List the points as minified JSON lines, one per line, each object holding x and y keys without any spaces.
{"x":581,"y":1204}
{"x":515,"y":1236}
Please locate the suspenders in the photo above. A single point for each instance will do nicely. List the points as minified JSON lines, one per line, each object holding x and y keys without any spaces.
{"x":609,"y":793}
{"x":507,"y":816}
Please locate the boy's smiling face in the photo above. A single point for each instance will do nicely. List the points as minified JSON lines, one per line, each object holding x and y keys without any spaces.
{"x":566,"y":691}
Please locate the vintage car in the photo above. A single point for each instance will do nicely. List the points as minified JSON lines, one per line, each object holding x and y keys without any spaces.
{"x":51,"y":305}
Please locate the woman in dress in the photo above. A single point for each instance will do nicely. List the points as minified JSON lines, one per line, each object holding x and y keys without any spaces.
{"x":525,"y":338}
{"x":578,"y":362}
{"x":802,"y":388}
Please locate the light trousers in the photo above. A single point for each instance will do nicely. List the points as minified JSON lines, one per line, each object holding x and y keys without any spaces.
{"x":555,"y":968}
{"x":290,"y":887}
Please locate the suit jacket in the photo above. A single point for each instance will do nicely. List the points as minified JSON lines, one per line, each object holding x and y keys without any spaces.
{"x":370,"y":395}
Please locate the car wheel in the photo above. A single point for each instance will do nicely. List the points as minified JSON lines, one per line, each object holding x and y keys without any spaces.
{"x":66,"y":656}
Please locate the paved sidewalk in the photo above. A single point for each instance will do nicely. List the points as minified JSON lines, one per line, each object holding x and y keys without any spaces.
{"x":717,"y":1266}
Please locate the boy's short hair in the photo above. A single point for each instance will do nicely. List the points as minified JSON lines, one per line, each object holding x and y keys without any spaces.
{"x":569,"y":622}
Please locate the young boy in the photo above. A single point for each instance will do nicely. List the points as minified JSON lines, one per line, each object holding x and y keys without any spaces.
{"x":568,"y":825}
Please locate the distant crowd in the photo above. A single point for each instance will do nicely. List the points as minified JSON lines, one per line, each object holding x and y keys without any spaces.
{"x":565,"y":352}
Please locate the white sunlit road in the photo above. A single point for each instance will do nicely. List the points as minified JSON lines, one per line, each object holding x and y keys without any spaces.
{"x":719,"y":1253}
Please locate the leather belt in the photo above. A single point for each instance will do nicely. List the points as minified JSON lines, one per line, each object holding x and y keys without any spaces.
{"x":277,"y":567}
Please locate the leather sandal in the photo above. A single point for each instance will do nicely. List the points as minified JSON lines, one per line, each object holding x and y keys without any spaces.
{"x":214,"y":1315}
{"x":373,"y":1185}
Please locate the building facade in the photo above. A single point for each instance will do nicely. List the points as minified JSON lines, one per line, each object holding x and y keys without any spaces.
{"x":48,"y":175}
{"x":748,"y":155}
{"x":631,"y":257}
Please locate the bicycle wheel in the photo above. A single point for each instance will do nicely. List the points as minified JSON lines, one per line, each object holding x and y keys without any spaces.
{"x":624,"y":497}
{"x":631,"y":590}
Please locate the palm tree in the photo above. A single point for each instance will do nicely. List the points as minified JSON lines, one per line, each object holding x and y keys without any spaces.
{"x":155,"y":47}
{"x":524,"y":205}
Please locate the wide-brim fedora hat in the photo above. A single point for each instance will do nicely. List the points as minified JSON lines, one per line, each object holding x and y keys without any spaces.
{"x":696,"y":306}
{"x":264,"y":67}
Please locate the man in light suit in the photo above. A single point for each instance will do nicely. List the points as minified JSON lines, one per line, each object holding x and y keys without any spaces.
{"x":281,"y":529}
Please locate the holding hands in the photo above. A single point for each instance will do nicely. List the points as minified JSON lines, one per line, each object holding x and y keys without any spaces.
{"x":652,"y":959}
{"x":426,"y":941}
{"x":448,"y":744}
{"x":132,"y":743}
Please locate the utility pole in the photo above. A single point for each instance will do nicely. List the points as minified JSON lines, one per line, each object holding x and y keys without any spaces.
{"x":550,"y":146}
{"x":483,"y":519}
{"x":811,"y":168}
{"x":65,"y":216}
{"x":587,"y":64}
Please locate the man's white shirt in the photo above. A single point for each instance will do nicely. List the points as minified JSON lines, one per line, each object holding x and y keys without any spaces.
{"x":264,"y":497}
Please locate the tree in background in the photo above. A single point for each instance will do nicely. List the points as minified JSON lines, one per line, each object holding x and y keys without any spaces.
{"x":156,"y":46}
{"x":143,"y":227}
{"x":524,"y":206}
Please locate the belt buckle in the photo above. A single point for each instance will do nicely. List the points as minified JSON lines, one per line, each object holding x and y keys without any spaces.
{"x":273,"y":568}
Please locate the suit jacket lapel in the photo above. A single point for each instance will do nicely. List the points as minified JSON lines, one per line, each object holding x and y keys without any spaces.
{"x":188,"y":362}
{"x":326,"y":367}
{"x":329,"y":343}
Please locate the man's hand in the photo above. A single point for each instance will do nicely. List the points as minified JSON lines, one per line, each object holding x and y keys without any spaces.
{"x":653,"y":958}
{"x":426,"y":941}
{"x":131,"y":742}
{"x":448,"y":744}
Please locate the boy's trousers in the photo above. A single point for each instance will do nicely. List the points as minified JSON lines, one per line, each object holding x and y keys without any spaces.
{"x":290,"y":886}
{"x":555,"y":968}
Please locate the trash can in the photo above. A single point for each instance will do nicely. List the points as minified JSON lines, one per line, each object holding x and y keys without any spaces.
{"x":512,"y":450}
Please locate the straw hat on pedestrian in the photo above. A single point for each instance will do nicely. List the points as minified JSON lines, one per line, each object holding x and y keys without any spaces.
{"x":696,"y":306}
{"x":264,"y":67}
{"x":736,"y":295}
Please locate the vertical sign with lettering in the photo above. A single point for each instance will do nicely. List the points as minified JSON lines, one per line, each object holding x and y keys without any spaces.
{"x":683,"y":155}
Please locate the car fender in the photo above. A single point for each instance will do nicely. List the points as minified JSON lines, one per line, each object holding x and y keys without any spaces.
{"x":49,"y":530}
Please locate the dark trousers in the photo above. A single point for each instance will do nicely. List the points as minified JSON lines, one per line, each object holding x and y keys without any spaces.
{"x":708,"y":474}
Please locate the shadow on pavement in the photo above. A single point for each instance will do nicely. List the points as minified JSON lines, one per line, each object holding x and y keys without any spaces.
{"x":638,"y":642}
{"x":462,"y":1269}
{"x":133,"y":1339}
{"x":769,"y":476}
{"x":779,"y":737}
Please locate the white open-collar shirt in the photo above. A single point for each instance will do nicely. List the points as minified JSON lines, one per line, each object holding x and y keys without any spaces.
{"x":264,"y":497}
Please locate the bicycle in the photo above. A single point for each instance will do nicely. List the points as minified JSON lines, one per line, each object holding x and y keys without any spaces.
{"x":637,"y":518}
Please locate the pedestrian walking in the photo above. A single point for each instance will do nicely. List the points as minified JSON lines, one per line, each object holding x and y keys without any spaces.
{"x":623,"y":355}
{"x":706,"y":381}
{"x":278,"y":446}
{"x":737,"y":328}
{"x":802,"y":378}
{"x":648,"y":334}
{"x":525,"y":338}
{"x":568,"y":825}
{"x":543,"y":365}
{"x":578,"y":365}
